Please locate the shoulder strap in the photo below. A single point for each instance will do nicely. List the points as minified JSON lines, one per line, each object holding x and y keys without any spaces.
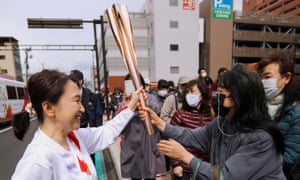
{"x":194,"y":176}
{"x":176,"y":102}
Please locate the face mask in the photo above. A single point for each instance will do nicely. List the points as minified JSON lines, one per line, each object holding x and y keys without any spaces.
{"x":270,"y":87}
{"x":162,"y":93}
{"x":129,"y":87}
{"x":217,"y":103}
{"x":203,"y":74}
{"x":193,"y":99}
{"x":180,"y":91}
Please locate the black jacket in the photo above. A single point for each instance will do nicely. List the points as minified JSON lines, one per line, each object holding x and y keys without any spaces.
{"x":93,"y":109}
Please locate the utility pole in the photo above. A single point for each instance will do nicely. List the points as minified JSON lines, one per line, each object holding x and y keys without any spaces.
{"x":26,"y":62}
{"x":104,"y":62}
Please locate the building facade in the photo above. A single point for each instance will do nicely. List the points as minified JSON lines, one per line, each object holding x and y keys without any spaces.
{"x":116,"y":67}
{"x":247,"y":37}
{"x":267,"y":27}
{"x":10,"y":63}
{"x":272,"y":7}
{"x":173,"y":38}
{"x":216,"y":51}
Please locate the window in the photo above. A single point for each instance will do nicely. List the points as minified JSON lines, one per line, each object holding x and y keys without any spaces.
{"x":21,"y":93}
{"x":174,"y":70}
{"x":2,"y":57}
{"x":11,"y":92}
{"x":174,"y":24}
{"x":3,"y":71}
{"x":174,"y":47}
{"x":173,"y":2}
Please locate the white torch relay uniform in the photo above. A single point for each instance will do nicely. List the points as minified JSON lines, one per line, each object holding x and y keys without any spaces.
{"x":46,"y":159}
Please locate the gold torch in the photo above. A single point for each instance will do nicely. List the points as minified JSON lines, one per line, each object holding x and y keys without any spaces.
{"x":122,"y":30}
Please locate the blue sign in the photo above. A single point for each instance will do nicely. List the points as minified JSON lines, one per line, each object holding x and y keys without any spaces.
{"x":222,"y":9}
{"x":222,"y":4}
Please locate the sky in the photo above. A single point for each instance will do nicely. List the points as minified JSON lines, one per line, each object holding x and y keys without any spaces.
{"x":13,"y":23}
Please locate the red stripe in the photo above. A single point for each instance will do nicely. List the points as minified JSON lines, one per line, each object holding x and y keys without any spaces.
{"x":73,"y":138}
{"x":123,"y":108}
{"x":83,"y":166}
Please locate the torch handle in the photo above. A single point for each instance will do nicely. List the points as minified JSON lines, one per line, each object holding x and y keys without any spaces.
{"x":148,"y":124}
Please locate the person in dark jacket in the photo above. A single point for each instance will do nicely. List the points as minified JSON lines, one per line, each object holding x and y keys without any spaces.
{"x":92,"y":115}
{"x":202,"y":74}
{"x":140,"y":158}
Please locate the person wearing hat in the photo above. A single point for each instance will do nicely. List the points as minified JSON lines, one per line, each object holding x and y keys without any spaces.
{"x":92,"y":115}
{"x":174,"y":101}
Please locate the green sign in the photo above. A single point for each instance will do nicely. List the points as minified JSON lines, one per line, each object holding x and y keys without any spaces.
{"x":222,"y":14}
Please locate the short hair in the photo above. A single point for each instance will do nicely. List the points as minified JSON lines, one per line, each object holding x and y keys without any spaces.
{"x":221,"y":70}
{"x":162,"y":83}
{"x":292,"y":89}
{"x":202,"y":68}
{"x":128,"y":77}
{"x":205,"y":107}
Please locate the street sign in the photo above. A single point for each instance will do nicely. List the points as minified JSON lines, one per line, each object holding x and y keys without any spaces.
{"x":222,"y":9}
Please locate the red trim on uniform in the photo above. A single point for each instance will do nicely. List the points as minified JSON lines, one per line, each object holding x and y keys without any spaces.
{"x":83,"y":165}
{"x":73,"y":138}
{"x":123,"y":108}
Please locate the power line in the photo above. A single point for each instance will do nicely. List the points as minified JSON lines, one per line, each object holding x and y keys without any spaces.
{"x":50,"y":47}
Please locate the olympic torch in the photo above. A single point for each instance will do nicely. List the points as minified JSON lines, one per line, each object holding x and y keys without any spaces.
{"x":120,"y":24}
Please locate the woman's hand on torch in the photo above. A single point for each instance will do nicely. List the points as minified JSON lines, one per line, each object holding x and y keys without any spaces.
{"x":155,"y":120}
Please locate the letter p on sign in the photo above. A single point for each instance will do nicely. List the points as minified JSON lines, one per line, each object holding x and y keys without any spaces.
{"x":217,"y":3}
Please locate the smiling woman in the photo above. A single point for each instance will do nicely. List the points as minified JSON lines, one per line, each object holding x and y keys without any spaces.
{"x":59,"y":148}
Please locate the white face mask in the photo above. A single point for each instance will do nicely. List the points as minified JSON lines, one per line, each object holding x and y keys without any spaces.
{"x":203,"y":75}
{"x":270,"y":87}
{"x":162,"y":93}
{"x":129,"y":87}
{"x":193,"y":99}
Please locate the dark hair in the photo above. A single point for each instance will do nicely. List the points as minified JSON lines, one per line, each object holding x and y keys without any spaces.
{"x":47,"y":85}
{"x":77,"y":74}
{"x":204,"y":93}
{"x":221,"y":70}
{"x":128,"y":77}
{"x":202,"y":68}
{"x":250,"y":111}
{"x":292,"y":89}
{"x":171,"y":84}
{"x":162,"y":83}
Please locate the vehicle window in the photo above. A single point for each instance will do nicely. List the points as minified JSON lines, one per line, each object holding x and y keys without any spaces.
{"x":21,"y":93}
{"x":11,"y":92}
